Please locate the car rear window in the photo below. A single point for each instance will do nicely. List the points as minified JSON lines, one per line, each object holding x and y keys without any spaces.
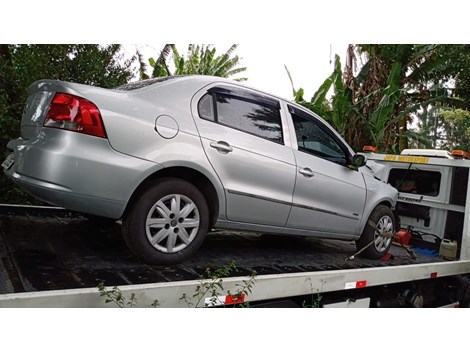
{"x":145,"y":83}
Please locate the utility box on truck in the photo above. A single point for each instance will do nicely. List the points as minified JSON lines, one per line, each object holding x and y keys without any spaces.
{"x":433,"y":192}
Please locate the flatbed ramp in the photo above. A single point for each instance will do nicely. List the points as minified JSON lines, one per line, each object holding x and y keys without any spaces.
{"x":47,"y":253}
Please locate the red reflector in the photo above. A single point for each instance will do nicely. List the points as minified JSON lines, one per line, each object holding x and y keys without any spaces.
{"x":360,"y":284}
{"x":73,"y":113}
{"x":235,"y":299}
{"x":355,"y":284}
{"x":433,"y":275}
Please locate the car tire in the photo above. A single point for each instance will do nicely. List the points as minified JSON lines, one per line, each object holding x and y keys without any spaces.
{"x":167,"y":222}
{"x":384,"y":219}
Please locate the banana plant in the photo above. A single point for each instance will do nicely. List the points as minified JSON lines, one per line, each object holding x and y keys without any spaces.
{"x":374,"y":106}
{"x":200,"y":60}
{"x":338,"y":110}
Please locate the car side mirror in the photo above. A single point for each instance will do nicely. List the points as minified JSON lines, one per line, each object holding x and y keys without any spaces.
{"x":358,"y":160}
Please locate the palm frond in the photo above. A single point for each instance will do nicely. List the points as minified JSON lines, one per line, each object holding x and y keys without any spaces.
{"x":291,"y":81}
{"x":320,"y":95}
{"x":160,"y":67}
{"x":142,"y":66}
{"x":200,"y":59}
{"x":235,"y":71}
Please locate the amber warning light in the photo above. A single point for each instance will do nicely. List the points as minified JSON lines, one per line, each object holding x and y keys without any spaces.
{"x":370,"y":149}
{"x":460,"y":154}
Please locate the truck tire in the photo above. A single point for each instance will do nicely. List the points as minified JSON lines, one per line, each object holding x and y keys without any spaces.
{"x":384,"y":219}
{"x":167,"y":222}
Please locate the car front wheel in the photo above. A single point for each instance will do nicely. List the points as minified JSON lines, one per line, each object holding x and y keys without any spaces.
{"x":167,"y":222}
{"x":377,"y":234}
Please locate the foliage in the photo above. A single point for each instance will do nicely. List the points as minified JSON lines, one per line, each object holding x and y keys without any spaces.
{"x":199,"y":60}
{"x":315,"y":298}
{"x":411,"y":69}
{"x":457,"y":128}
{"x":315,"y":301}
{"x":115,"y":295}
{"x":458,"y":70}
{"x":212,"y":285}
{"x":374,"y":105}
{"x":21,"y":65}
{"x":338,"y":111}
{"x":142,"y":66}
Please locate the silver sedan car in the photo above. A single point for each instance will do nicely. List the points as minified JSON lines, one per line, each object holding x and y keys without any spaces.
{"x":176,"y":157}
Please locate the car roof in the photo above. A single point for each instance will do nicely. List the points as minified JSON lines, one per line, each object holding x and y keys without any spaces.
{"x":205,"y":80}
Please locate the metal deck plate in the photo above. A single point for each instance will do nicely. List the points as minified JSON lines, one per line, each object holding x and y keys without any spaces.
{"x":66,"y":251}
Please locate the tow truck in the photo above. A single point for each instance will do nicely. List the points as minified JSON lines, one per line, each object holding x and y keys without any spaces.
{"x":51,"y":257}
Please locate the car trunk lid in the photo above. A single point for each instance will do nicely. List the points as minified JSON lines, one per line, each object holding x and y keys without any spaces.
{"x":34,"y":113}
{"x":41,"y":94}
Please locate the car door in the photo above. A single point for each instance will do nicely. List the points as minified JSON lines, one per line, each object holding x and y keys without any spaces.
{"x":329,"y":197}
{"x":242,"y":136}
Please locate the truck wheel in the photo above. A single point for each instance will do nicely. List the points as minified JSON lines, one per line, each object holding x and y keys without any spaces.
{"x":384,"y":219}
{"x":167,"y":222}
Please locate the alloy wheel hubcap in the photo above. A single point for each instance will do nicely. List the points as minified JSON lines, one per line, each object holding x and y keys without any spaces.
{"x":384,"y":227}
{"x":172,"y":223}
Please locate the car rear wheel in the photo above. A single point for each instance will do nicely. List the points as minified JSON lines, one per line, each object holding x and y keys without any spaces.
{"x":167,"y":222}
{"x":380,"y":234}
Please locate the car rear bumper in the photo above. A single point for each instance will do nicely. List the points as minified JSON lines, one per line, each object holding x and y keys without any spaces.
{"x":57,"y":195}
{"x":77,"y":172}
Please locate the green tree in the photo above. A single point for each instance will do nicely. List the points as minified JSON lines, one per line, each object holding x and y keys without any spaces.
{"x":374,"y":104}
{"x":402,"y":79}
{"x":458,"y":71}
{"x":427,"y":128}
{"x":21,"y":65}
{"x":339,"y":110}
{"x":457,"y":129}
{"x":199,"y":60}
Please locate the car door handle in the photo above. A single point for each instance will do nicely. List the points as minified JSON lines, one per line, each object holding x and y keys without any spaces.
{"x":222,"y":147}
{"x":306,"y":172}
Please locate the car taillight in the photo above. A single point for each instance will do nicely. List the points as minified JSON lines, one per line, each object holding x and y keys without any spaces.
{"x":73,"y":113}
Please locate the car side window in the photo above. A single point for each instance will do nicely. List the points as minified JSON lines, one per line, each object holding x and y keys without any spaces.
{"x":244,"y":114}
{"x":206,"y":108}
{"x":314,"y":139}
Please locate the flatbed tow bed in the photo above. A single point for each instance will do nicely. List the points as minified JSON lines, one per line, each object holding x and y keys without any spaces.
{"x":54,"y":258}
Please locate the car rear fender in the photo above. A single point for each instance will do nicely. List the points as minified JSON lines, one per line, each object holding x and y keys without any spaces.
{"x":209,"y":186}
